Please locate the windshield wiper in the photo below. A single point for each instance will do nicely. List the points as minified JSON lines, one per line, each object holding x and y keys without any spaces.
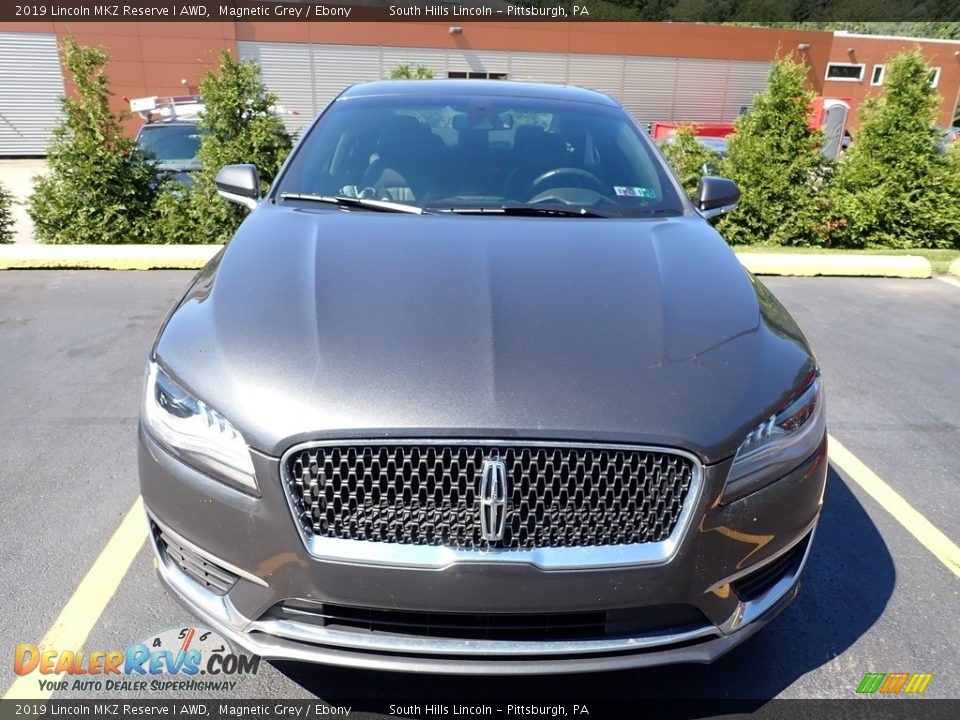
{"x":531,"y":210}
{"x":366,"y":203}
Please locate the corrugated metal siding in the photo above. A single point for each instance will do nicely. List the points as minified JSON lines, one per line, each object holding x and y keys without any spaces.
{"x":31,"y":86}
{"x":390,"y":58}
{"x":485,"y":61}
{"x":597,"y":72}
{"x":744,"y":80}
{"x":651,"y":88}
{"x":337,"y":66}
{"x":539,"y":67}
{"x":701,"y":86}
{"x":288,"y":72}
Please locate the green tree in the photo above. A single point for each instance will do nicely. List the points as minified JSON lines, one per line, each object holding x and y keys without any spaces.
{"x":238,"y":125}
{"x":408,"y":72}
{"x":687,"y":157}
{"x":895,"y":187}
{"x":101,"y":188}
{"x":774,"y":156}
{"x":6,"y":215}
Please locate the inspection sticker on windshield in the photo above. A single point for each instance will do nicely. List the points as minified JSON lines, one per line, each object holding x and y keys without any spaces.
{"x":640,"y":192}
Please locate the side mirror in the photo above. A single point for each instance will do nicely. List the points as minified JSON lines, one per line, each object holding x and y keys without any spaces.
{"x":239,"y":184}
{"x":716,"y":196}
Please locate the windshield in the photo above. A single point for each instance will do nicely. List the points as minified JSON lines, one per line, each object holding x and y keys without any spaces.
{"x":174,"y":146}
{"x":469,"y":152}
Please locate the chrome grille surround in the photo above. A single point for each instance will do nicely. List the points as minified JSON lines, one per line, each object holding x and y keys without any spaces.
{"x":670,"y":480}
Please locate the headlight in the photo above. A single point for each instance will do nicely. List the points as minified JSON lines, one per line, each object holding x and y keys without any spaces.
{"x":780,"y":444}
{"x":196,"y":433}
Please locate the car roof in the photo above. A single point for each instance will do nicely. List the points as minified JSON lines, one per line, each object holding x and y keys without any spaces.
{"x":497,"y":88}
{"x":167,"y":122}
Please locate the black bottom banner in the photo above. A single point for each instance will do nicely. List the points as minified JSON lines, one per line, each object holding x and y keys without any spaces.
{"x":859,"y":709}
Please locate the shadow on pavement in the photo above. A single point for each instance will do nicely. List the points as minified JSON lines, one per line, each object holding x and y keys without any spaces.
{"x":847,"y":582}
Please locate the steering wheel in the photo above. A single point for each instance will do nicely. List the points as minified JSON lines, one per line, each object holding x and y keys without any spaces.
{"x":570,"y":172}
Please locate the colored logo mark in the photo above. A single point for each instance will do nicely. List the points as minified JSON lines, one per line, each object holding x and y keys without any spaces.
{"x":894,"y":683}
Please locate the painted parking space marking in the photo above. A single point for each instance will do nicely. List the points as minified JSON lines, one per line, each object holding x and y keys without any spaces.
{"x":949,"y":280}
{"x":942,"y":547}
{"x":91,"y":597}
{"x":78,"y":617}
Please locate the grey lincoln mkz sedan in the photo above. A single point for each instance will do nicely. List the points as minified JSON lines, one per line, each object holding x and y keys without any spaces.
{"x":476,"y":389}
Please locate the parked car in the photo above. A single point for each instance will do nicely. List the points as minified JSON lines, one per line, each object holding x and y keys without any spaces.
{"x":717,"y":144}
{"x":170,"y":133}
{"x":948,"y":136}
{"x":475,"y":388}
{"x":175,"y":144}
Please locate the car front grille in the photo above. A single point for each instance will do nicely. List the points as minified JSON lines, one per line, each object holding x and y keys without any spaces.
{"x":428,"y":494}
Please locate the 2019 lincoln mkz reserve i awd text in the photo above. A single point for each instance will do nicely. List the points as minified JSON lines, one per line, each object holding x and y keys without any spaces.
{"x":475,"y":388}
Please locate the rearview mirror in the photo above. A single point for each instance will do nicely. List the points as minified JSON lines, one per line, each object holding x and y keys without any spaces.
{"x":239,"y":184}
{"x":716,"y":196}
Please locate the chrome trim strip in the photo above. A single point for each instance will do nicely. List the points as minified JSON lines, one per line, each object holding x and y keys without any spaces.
{"x":219,"y":610}
{"x":772,"y":558}
{"x":433,"y":557}
{"x":379,"y":642}
{"x":717,"y":211}
{"x":221,"y":615}
{"x":751,"y":610}
{"x":215,"y":608}
{"x":248,"y":202}
{"x":203,"y":553}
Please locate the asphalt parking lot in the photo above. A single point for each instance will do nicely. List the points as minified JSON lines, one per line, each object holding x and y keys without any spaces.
{"x":72,"y":351}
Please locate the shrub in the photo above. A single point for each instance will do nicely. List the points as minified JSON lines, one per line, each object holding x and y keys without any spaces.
{"x":238,"y":125}
{"x":408,"y":72}
{"x":894,"y":186}
{"x":101,"y":188}
{"x":774,"y":156}
{"x":6,"y":215}
{"x":687,"y":157}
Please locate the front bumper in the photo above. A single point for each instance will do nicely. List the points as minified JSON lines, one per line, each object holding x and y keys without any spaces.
{"x":256,"y":541}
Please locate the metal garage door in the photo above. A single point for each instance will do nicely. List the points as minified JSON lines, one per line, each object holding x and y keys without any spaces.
{"x":288,"y":73}
{"x":31,"y":86}
{"x":336,"y":66}
{"x":652,"y":88}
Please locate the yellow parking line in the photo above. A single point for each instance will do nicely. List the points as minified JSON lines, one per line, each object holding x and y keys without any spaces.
{"x":945,"y":550}
{"x":78,"y":617}
{"x":71,"y":628}
{"x":949,"y":280}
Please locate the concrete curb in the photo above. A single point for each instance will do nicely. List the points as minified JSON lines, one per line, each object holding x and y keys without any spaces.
{"x":812,"y":264}
{"x":954,"y":268}
{"x":105,"y":257}
{"x":190,"y":257}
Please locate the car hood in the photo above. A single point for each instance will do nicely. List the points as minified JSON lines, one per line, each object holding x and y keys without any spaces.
{"x":318,"y":323}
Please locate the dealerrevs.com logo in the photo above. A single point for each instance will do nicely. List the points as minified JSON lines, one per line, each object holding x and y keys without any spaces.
{"x":181,"y":659}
